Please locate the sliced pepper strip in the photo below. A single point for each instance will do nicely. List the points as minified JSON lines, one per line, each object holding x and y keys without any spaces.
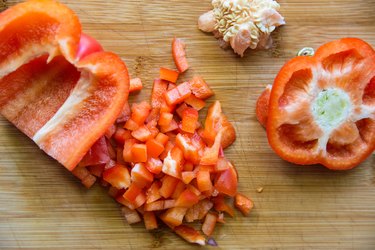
{"x":64,"y":104}
{"x":322,"y":108}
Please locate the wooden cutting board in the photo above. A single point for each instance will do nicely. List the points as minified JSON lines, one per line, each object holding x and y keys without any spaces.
{"x":44,"y":206}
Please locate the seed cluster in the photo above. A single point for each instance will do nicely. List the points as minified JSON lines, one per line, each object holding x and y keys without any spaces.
{"x":235,"y":15}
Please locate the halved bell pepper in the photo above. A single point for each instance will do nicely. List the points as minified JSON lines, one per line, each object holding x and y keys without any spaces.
{"x":322,"y":108}
{"x":62,"y":94}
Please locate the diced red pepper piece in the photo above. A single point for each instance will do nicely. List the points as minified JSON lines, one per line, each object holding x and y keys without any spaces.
{"x":184,"y":90}
{"x":139,"y":152}
{"x":180,"y":187}
{"x":195,"y":102}
{"x":165,"y":108}
{"x":243,"y":204}
{"x":127,"y":152}
{"x":172,"y":97}
{"x":139,"y":200}
{"x":190,"y":152}
{"x":98,"y":154}
{"x":221,"y":206}
{"x":153,"y":116}
{"x":96,"y":170}
{"x":168,"y":185}
{"x":188,"y":166}
{"x":181,"y":109}
{"x":118,"y":176}
{"x":222,"y":164}
{"x":190,"y":235}
{"x":192,"y":214}
{"x":178,"y":94}
{"x":152,"y":193}
{"x":211,"y":155}
{"x":111,"y":150}
{"x":173,"y":217}
{"x":88,"y":181}
{"x":135,"y":84}
{"x":149,"y":219}
{"x":169,"y":203}
{"x":154,"y":206}
{"x":192,"y":187}
{"x":125,"y":113}
{"x":213,"y":122}
{"x":208,"y":168}
{"x":204,"y":180}
{"x":162,"y":138}
{"x":110,"y":131}
{"x":132,"y":192}
{"x":172,"y":164}
{"x":168,"y":147}
{"x":140,"y":112}
{"x":187,"y":199}
{"x":229,"y":134}
{"x":121,"y":135}
{"x":209,"y":224}
{"x":131,"y":125}
{"x":226,"y":182}
{"x":200,"y":88}
{"x":189,"y":120}
{"x":130,"y":215}
{"x":165,"y":119}
{"x":154,"y":148}
{"x":142,"y":133}
{"x":158,"y":90}
{"x":119,"y":155}
{"x":188,"y":176}
{"x":154,"y":165}
{"x":220,"y":218}
{"x":170,"y":127}
{"x":169,"y":75}
{"x":179,"y":55}
{"x":141,"y":176}
{"x":204,"y":207}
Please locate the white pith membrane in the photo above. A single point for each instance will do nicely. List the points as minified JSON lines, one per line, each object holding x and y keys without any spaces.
{"x":326,"y":104}
{"x":68,"y":109}
{"x":331,"y":108}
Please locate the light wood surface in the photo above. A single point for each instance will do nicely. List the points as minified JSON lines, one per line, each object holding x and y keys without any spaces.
{"x":43,"y":206}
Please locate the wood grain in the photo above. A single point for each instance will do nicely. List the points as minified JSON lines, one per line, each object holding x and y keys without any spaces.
{"x":43,"y":206}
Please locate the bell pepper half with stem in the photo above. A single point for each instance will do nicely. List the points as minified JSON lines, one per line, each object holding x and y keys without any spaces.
{"x":56,"y":84}
{"x":321,"y":109}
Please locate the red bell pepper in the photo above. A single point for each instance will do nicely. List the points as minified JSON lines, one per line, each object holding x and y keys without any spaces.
{"x":190,"y":235}
{"x":169,"y":75}
{"x":209,"y":224}
{"x":243,"y":203}
{"x":68,"y":114}
{"x":158,"y":89}
{"x":189,"y":120}
{"x":97,"y":154}
{"x":200,"y":88}
{"x":178,"y":94}
{"x":118,"y":176}
{"x":226,"y":182}
{"x":321,"y":108}
{"x":179,"y":55}
{"x":149,"y":219}
{"x":135,"y":84}
{"x":195,"y":102}
{"x":141,"y":176}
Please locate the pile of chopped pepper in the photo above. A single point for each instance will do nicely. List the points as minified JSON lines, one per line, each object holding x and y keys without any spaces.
{"x":162,"y":164}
